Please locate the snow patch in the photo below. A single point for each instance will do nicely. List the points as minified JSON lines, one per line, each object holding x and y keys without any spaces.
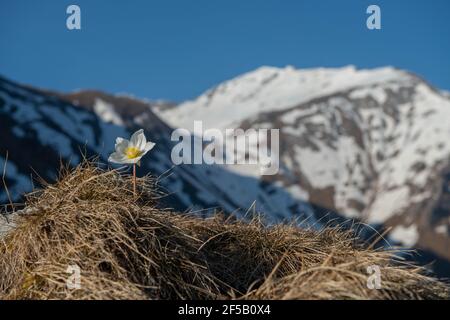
{"x":387,"y":204}
{"x":442,"y":229}
{"x":407,"y":236}
{"x":269,"y":89}
{"x":106,"y":112}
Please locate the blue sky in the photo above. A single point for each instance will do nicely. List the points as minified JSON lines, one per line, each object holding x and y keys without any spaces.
{"x":177,"y":49}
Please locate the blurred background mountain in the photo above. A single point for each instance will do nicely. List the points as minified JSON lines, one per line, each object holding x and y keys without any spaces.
{"x":364,"y":143}
{"x":369,"y":146}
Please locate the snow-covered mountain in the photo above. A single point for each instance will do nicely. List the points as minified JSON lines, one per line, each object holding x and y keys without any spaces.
{"x":365,"y":144}
{"x":40,"y":128}
{"x":197,"y":187}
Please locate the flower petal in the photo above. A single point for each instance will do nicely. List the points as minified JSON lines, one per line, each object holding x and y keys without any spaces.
{"x":149,"y":146}
{"x":116,"y":157}
{"x":142,"y":143}
{"x":134,"y":160}
{"x":119,"y":140}
{"x":122,"y":146}
{"x":137,"y":138}
{"x":122,"y":159}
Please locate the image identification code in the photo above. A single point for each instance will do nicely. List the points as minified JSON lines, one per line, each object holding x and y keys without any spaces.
{"x":226,"y":309}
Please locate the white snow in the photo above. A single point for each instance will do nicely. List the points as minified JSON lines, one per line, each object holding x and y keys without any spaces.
{"x":376,"y":93}
{"x":106,"y":112}
{"x":406,"y":134}
{"x":298,"y":192}
{"x":388,"y":203}
{"x":441,"y":229}
{"x":407,"y":236}
{"x":271,"y":89}
{"x":60,"y":127}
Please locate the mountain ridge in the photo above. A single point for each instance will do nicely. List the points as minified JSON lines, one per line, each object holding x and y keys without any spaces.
{"x":336,"y":150}
{"x":381,"y":141}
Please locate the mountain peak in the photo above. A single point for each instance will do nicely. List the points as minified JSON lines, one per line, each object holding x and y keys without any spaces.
{"x":268,"y":89}
{"x":386,"y":71}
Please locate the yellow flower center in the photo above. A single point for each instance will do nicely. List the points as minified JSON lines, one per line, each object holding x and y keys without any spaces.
{"x":132,"y":152}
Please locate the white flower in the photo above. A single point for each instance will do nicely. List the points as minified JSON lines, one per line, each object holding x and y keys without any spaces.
{"x":131,"y":152}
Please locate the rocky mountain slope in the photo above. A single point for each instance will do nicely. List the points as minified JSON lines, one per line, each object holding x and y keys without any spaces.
{"x":365,"y":144}
{"x":41,"y":128}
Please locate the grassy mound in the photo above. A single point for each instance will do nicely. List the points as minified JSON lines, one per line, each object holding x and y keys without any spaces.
{"x":129,"y":248}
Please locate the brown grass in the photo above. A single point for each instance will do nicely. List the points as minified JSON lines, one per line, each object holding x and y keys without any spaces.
{"x":129,"y":248}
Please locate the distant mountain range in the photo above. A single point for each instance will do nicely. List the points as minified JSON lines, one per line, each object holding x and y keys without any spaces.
{"x":370,"y":145}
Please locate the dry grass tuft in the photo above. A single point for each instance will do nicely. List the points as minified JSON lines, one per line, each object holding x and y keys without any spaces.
{"x":131,"y":249}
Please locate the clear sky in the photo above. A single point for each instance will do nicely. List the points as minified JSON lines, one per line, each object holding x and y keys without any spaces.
{"x":175,"y":50}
